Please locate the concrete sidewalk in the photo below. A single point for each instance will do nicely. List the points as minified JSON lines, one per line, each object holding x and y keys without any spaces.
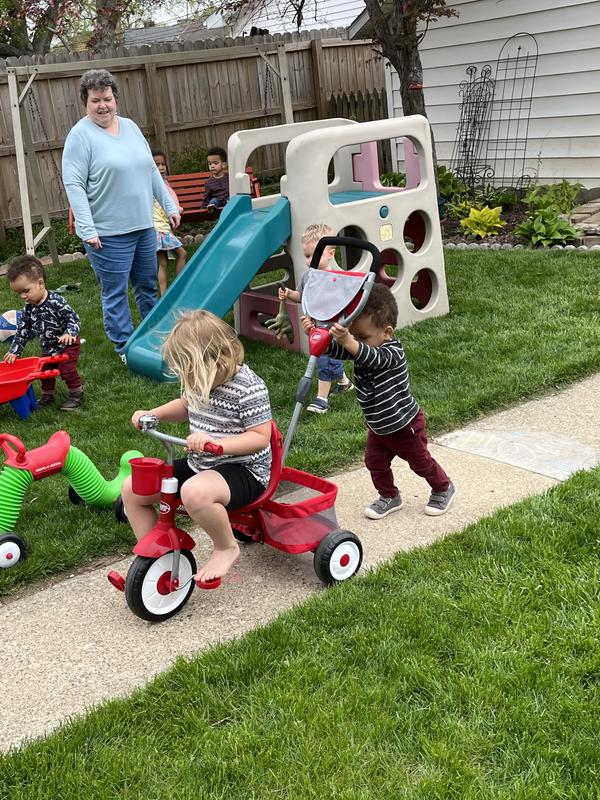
{"x":75,"y":644}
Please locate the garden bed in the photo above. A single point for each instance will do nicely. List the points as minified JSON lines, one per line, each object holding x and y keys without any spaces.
{"x":452,"y":232}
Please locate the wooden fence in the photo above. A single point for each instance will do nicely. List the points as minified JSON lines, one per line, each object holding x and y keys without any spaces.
{"x":195,"y":94}
{"x":363,"y":107}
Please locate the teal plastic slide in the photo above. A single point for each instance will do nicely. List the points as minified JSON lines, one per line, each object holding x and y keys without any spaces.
{"x":214,"y":277}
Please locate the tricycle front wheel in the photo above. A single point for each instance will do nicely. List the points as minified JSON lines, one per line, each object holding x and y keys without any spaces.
{"x":338,"y":557}
{"x":12,"y":550}
{"x":147,"y":586}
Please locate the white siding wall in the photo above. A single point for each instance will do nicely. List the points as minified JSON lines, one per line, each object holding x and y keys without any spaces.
{"x":277,"y":16}
{"x":564,"y":130}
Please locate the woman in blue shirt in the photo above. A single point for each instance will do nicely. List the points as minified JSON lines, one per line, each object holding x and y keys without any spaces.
{"x":111,"y":181}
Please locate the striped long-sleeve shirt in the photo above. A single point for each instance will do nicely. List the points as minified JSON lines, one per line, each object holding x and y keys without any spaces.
{"x":382,"y":385}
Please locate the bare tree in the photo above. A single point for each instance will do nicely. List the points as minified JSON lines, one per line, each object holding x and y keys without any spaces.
{"x":395,"y":30}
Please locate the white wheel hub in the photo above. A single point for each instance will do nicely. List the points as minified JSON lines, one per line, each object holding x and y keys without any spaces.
{"x":10,"y":554}
{"x":344,"y":561}
{"x":153,"y":599}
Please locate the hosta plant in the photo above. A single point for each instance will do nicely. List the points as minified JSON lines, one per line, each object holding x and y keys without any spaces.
{"x":483,"y":222}
{"x":545,"y":228}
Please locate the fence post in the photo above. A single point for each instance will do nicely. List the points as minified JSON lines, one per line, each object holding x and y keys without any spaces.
{"x":286,"y":89}
{"x":318,"y":70}
{"x":160,"y":131}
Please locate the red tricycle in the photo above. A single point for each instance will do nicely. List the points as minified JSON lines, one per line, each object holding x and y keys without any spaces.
{"x":160,"y":580}
{"x":161,"y":577}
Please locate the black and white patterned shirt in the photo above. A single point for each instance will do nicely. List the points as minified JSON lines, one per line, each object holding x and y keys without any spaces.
{"x":50,"y":320}
{"x":240,"y":403}
{"x":382,"y":385}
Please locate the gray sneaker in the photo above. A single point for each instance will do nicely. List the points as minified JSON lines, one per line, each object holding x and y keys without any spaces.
{"x":342,"y":388}
{"x":440,"y":502}
{"x":383,"y":506}
{"x":318,"y":406}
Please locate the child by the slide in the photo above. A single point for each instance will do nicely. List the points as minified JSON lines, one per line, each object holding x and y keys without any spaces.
{"x":329,"y":370}
{"x":166,"y":241}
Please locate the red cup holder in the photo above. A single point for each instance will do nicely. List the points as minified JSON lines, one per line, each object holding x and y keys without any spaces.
{"x":146,"y":474}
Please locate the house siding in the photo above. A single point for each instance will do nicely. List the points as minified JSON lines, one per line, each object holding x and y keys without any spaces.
{"x":564,"y":128}
{"x":278,"y":17}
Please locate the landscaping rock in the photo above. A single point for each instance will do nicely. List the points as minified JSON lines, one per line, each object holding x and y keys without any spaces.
{"x":199,"y":237}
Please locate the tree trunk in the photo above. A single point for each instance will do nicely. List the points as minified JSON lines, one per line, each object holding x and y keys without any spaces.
{"x":408,"y":63}
{"x":108,"y":16}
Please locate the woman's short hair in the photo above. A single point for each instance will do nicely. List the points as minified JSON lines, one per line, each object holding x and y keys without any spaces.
{"x":96,"y":80}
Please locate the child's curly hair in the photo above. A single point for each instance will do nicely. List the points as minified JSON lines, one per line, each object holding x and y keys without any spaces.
{"x":381,"y":307}
{"x":203,"y":352}
{"x":29,"y":266}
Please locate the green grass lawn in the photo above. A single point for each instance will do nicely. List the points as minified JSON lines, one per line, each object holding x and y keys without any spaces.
{"x":521,"y":324}
{"x":468,"y":670}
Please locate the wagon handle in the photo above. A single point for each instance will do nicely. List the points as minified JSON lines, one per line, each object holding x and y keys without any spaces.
{"x":43,"y":373}
{"x":54,"y":359}
{"x":8,"y":442}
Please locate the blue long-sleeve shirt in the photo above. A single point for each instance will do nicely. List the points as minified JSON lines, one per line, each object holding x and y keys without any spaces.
{"x":111,"y":181}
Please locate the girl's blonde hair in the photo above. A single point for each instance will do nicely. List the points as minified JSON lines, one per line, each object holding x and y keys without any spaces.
{"x":316,"y":232}
{"x":203,"y":352}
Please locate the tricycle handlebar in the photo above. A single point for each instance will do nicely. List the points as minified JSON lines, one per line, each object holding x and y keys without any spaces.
{"x":148,"y":424}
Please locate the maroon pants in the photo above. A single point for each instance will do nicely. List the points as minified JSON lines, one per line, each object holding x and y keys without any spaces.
{"x":67,"y":369}
{"x":410,"y":444}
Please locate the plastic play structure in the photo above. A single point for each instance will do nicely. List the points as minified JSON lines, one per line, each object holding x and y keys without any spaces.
{"x":161,"y":578}
{"x":402,"y":223}
{"x":16,"y":380}
{"x":22,"y":467}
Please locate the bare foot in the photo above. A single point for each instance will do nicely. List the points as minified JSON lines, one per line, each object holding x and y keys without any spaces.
{"x":219,"y":563}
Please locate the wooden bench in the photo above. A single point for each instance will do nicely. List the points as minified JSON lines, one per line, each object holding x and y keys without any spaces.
{"x":189,"y":188}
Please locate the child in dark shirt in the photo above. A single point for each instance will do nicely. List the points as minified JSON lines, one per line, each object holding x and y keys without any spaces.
{"x":49,"y":316}
{"x":396,"y":423}
{"x":216,"y":188}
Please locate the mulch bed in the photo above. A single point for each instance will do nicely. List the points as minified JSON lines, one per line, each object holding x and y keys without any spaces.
{"x":452,"y":232}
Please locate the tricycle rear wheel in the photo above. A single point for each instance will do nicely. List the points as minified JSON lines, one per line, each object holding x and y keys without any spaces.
{"x":338,"y":557}
{"x":12,"y":550}
{"x":147,"y":579}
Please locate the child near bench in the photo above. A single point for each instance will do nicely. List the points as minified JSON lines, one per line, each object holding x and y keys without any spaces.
{"x":216,"y":188}
{"x":166,"y":241}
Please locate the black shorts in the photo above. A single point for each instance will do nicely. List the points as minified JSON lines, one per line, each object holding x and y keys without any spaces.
{"x":243,"y":486}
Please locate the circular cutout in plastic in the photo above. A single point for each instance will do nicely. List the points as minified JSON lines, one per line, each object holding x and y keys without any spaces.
{"x":422,"y":288}
{"x":352,"y":257}
{"x":415,"y":231}
{"x":391,"y":267}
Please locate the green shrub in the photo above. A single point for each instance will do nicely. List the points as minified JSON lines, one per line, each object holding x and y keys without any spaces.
{"x":15,"y":241}
{"x":492,"y":197}
{"x":393,"y":179}
{"x":452,"y":189}
{"x":461,"y":208}
{"x":190,"y":159}
{"x":483,"y":222}
{"x":560,"y":196}
{"x":545,"y":227}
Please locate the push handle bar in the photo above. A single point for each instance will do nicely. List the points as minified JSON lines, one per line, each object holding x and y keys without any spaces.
{"x":11,"y":444}
{"x":148,"y":423}
{"x":346,"y":241}
{"x":46,"y":373}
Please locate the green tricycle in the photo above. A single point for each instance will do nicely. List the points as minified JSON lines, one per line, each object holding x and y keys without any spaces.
{"x":22,"y":467}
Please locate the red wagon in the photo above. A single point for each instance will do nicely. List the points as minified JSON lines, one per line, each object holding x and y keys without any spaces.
{"x":16,"y":380}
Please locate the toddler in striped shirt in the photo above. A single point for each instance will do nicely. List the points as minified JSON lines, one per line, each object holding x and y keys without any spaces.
{"x":396,"y":424}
